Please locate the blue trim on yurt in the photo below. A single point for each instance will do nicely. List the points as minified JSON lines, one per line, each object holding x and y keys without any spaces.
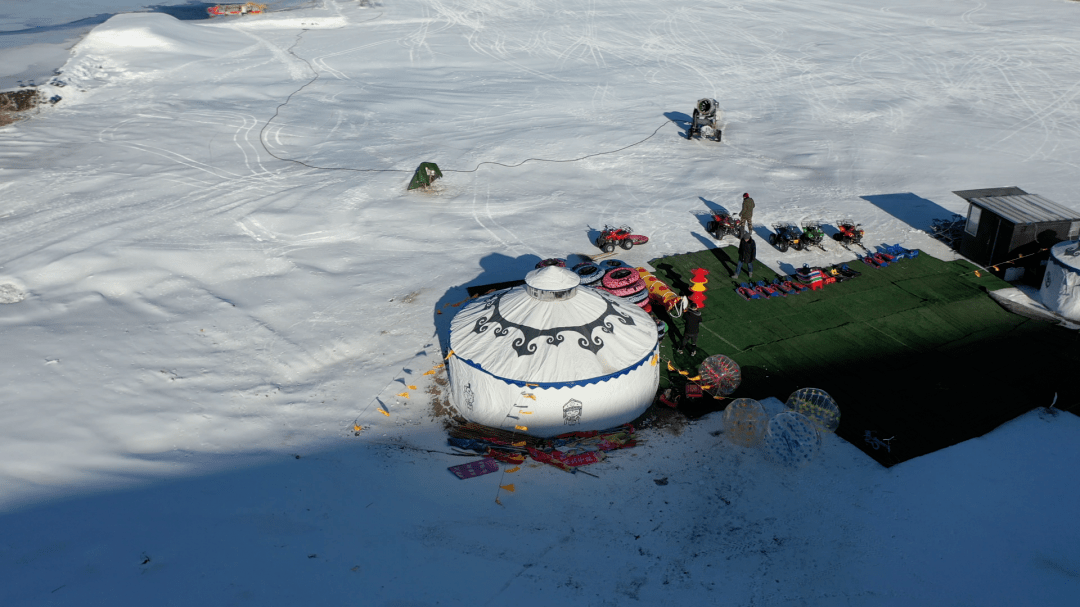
{"x":563,"y":384}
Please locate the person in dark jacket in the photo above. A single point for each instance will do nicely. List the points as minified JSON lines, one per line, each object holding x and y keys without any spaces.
{"x":690,"y":330}
{"x":747,"y":253}
{"x":747,"y":212}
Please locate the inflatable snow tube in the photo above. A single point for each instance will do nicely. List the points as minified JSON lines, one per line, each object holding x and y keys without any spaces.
{"x":621,"y":277}
{"x":609,"y":264}
{"x":589,"y":272}
{"x":630,"y":289}
{"x":553,"y":261}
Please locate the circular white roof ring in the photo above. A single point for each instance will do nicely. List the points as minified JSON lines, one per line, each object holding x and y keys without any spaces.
{"x":552,"y":283}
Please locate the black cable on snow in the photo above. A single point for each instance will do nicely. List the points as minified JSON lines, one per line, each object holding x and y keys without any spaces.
{"x":473,"y":170}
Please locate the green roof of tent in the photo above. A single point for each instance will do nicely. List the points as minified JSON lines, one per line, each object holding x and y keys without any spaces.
{"x":426,"y":173}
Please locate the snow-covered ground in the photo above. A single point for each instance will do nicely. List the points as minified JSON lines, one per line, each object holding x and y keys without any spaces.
{"x":214,"y":271}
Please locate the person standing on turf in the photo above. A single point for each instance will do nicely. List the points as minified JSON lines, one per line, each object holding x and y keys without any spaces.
{"x":747,"y":212}
{"x":747,"y":253}
{"x":690,"y":330}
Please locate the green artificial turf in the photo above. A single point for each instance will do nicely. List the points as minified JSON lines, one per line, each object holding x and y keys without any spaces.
{"x":916,"y":351}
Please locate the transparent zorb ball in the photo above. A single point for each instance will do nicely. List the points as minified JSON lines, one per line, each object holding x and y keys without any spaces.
{"x":817,"y":406}
{"x":744,"y":422}
{"x":792,"y":440}
{"x":720,"y":375}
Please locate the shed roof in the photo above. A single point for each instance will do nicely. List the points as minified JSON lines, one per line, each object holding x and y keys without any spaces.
{"x":1018,"y":206}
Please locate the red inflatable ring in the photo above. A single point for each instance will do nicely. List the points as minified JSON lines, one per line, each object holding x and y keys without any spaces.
{"x":621,"y":277}
{"x":634,"y":287}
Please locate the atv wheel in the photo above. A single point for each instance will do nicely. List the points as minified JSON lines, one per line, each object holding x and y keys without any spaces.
{"x":798,"y":246}
{"x":608,"y":247}
{"x":711,"y":227}
{"x":627,"y":244}
{"x":783,"y":246}
{"x":772,"y":239}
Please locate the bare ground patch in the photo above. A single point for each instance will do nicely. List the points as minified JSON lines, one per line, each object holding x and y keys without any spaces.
{"x":16,"y":105}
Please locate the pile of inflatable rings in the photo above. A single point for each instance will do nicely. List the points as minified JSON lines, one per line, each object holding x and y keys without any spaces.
{"x":554,"y":261}
{"x":589,"y":272}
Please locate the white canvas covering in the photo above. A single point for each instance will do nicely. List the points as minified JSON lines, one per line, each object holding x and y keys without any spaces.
{"x":1061,"y":285}
{"x":584,"y":361}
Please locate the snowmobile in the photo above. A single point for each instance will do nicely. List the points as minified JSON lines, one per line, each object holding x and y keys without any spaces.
{"x":610,"y":237}
{"x":787,"y":235}
{"x":723,"y":224}
{"x":705,"y":116}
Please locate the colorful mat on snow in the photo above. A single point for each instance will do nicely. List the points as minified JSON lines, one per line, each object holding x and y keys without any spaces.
{"x":473,"y":469}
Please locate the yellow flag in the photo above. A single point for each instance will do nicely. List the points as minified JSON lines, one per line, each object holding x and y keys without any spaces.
{"x":404,"y":395}
{"x":448,"y":355}
{"x":527,"y":412}
{"x":431,"y":372}
{"x":529,"y":396}
{"x":670,"y":367}
{"x":695,"y":378}
{"x":509,"y":487}
{"x":522,"y":428}
{"x":513,"y":470}
{"x":412,"y":387}
{"x":384,"y":412}
{"x":521,"y":444}
{"x":684,"y":373}
{"x":357,"y":427}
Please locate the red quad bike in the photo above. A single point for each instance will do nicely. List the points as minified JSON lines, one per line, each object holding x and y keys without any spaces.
{"x":611,"y":237}
{"x":723,"y":224}
{"x":850,"y":233}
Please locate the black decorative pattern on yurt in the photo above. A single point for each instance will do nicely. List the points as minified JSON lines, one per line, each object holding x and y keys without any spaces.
{"x":524,"y":345}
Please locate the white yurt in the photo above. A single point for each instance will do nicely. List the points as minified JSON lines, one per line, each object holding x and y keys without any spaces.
{"x":551,"y":357}
{"x":1061,"y":284}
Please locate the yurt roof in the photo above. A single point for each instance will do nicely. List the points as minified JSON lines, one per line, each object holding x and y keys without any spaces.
{"x":1067,"y":254}
{"x":517,"y":337}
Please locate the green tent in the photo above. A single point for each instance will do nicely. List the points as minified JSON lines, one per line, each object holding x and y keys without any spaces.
{"x":426,"y":173}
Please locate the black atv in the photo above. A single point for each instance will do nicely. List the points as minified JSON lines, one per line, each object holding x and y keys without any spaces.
{"x":787,"y":236}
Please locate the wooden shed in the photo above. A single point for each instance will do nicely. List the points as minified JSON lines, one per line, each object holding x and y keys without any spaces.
{"x":1005,"y":223}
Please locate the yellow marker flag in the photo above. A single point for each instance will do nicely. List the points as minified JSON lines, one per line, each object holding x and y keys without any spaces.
{"x":521,"y":444}
{"x":655,"y":359}
{"x":684,"y":373}
{"x":513,"y":470}
{"x":522,"y":428}
{"x":384,"y":412}
{"x":404,"y":395}
{"x":357,"y":427}
{"x":448,"y":355}
{"x":529,"y":396}
{"x":412,"y":387}
{"x":440,"y":365}
{"x":977,"y":274}
{"x":670,"y":367}
{"x":695,"y":378}
{"x":527,"y":412}
{"x":509,"y":487}
{"x":431,"y":372}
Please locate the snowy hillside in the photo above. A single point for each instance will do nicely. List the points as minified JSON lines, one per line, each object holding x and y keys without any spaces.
{"x":212,"y":273}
